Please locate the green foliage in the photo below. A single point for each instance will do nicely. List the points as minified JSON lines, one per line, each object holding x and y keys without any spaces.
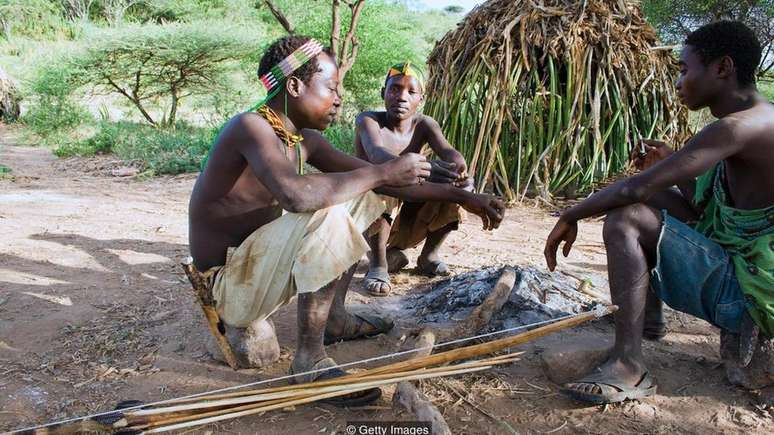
{"x":342,"y":136}
{"x":32,"y":18}
{"x":766,"y":87}
{"x":675,"y":19}
{"x":160,"y":38}
{"x":388,"y":32}
{"x":454,"y":9}
{"x":54,"y":108}
{"x":168,"y":11}
{"x":154,"y":150}
{"x":161,"y":65}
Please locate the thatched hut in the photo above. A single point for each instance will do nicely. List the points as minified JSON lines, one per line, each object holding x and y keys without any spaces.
{"x":9,"y":98}
{"x":550,"y":96}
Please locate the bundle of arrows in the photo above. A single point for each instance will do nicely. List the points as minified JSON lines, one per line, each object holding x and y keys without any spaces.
{"x":176,"y":414}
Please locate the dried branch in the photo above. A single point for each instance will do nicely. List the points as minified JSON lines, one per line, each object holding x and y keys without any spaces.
{"x":281,"y":18}
{"x":335,"y":28}
{"x":345,"y":51}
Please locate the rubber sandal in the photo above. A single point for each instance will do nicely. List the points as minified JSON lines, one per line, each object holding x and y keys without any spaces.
{"x":379,"y":275}
{"x":380,"y":326}
{"x":434,"y":268}
{"x":396,"y":260}
{"x":613,"y":390}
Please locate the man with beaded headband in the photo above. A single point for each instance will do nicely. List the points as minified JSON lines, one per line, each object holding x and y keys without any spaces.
{"x":384,"y":135}
{"x":265,"y":232}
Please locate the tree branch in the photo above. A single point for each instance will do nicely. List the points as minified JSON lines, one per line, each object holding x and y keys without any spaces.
{"x":281,"y":18}
{"x":350,"y":61}
{"x":131,"y":98}
{"x":335,"y":28}
{"x":357,"y":9}
{"x":349,"y":47}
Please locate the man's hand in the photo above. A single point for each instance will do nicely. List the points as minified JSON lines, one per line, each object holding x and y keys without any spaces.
{"x":489,"y":208}
{"x":563,"y":232}
{"x":465,"y":183}
{"x":406,"y":170}
{"x":443,"y":172}
{"x":654,"y":152}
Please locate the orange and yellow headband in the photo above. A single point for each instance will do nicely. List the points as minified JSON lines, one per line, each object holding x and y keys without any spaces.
{"x":405,"y":69}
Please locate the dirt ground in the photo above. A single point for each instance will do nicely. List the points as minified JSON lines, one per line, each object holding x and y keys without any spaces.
{"x":94,"y":309}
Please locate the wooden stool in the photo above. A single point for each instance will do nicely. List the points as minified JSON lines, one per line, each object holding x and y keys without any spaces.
{"x":207,"y":303}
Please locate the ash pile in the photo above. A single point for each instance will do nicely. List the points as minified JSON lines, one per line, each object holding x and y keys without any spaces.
{"x":534,"y":296}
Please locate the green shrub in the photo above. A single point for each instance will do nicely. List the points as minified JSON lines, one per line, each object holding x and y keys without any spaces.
{"x":32,"y":18}
{"x":100,"y":143}
{"x":168,"y":11}
{"x":53,"y":108}
{"x":342,"y":136}
{"x":154,"y":150}
{"x":388,"y":32}
{"x":766,"y":87}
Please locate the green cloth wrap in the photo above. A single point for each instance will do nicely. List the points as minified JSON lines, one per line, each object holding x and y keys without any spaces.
{"x":748,"y":237}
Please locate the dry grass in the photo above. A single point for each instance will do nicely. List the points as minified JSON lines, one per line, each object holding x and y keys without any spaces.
{"x":550,"y":96}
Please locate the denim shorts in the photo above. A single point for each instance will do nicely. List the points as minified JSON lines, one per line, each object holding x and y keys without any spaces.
{"x":695,"y":275}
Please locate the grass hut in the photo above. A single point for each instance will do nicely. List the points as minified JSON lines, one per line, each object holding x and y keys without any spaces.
{"x":547,"y":97}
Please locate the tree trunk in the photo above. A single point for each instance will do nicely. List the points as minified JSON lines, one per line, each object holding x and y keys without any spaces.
{"x":173,"y":109}
{"x":345,"y":51}
{"x":335,"y":28}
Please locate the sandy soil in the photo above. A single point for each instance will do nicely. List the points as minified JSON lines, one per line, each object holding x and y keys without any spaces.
{"x":94,"y":309}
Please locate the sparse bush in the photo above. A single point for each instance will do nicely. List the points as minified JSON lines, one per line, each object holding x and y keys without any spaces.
{"x":31,"y":18}
{"x":154,"y":150}
{"x":54,"y":109}
{"x":342,"y":136}
{"x":766,"y":86}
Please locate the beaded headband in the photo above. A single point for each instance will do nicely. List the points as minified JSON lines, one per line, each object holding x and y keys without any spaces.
{"x":294,"y":61}
{"x":278,"y":73}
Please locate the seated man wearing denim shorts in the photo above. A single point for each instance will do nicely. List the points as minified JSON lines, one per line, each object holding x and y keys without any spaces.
{"x":706,"y":247}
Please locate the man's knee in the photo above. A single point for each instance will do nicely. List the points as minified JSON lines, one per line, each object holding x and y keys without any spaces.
{"x":381,"y":224}
{"x":624,"y":221}
{"x":637,"y":220}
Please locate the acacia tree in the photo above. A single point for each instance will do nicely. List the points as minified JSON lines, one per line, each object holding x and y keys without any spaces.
{"x":676,"y":18}
{"x":160,"y":67}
